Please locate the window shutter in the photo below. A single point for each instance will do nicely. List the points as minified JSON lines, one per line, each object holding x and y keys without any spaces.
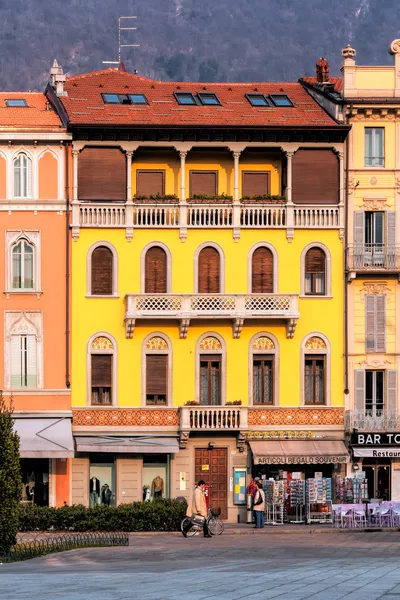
{"x":209,"y":271}
{"x":31,"y":370}
{"x":391,"y":391}
{"x":102,"y":271}
{"x":315,"y":175}
{"x":262,"y":271}
{"x":391,"y":228}
{"x":380,"y":340}
{"x":203,"y":182}
{"x":28,"y":177}
{"x":370,"y":322}
{"x":150,"y":183}
{"x":359,"y":228}
{"x":155,"y":265}
{"x":156,"y":374}
{"x":359,"y":384}
{"x":101,"y":370}
{"x":255,"y":183}
{"x":16,"y":363}
{"x":315,"y":261}
{"x":102,"y":174}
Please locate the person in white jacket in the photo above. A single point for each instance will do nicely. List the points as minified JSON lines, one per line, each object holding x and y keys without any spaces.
{"x":198,"y":507}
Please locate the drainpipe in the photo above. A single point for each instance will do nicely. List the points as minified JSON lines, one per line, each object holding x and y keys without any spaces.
{"x":67,"y":266}
{"x":346,"y":239}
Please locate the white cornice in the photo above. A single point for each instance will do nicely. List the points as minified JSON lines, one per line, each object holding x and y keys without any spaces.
{"x":34,"y":136}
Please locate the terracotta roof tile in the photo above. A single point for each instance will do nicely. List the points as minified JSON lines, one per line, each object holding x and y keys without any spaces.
{"x":163,"y":109}
{"x":336,"y":81}
{"x":37,"y":115}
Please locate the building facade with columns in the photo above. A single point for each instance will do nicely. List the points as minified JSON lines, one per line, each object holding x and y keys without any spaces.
{"x":207,"y":225}
{"x":368,"y":98}
{"x":34,"y":370}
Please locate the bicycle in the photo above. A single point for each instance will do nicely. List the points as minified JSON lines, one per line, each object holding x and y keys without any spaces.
{"x":214,"y":523}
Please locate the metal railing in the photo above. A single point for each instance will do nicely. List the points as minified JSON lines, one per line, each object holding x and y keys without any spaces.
{"x":373,"y":257}
{"x":200,"y":418}
{"x":371,"y":420}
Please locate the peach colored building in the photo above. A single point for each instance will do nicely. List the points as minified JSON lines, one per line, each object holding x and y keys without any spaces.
{"x":34,"y":371}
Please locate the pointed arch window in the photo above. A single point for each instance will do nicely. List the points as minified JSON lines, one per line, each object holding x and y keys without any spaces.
{"x":23,"y":352}
{"x":22,"y":266}
{"x":22,"y":166}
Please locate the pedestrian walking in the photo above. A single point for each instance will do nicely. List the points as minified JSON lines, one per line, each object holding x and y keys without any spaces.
{"x":198,"y":508}
{"x":259,"y":506}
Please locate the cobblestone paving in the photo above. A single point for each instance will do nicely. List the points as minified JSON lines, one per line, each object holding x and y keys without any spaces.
{"x":324,"y":566}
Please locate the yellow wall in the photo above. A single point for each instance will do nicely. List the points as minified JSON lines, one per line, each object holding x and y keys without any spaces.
{"x":358,"y":128}
{"x":379,"y":78}
{"x":93,"y":315}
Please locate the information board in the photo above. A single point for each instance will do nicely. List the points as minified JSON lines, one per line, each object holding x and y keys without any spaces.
{"x":239,"y":485}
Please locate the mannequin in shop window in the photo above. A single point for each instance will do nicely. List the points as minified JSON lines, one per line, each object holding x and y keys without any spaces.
{"x":106,"y":494}
{"x":146,"y":493}
{"x":30,"y":486}
{"x":157,"y":487}
{"x":94,"y":491}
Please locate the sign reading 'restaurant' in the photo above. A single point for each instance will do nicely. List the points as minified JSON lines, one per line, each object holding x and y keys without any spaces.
{"x":375,"y":439}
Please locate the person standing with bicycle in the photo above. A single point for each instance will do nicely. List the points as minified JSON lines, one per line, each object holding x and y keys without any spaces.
{"x":198,"y":508}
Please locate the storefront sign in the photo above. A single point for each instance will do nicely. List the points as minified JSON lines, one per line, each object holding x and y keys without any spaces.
{"x":279,"y":435}
{"x":299,"y":460}
{"x":205,"y":467}
{"x":375,"y":439}
{"x":377,"y":452}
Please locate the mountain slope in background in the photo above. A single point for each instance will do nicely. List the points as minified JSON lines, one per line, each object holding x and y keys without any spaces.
{"x":236,"y":40}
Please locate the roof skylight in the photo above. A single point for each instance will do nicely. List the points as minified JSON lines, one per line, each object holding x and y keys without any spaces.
{"x":208,"y":98}
{"x":281,"y":100}
{"x":16,"y":102}
{"x":184,"y":98}
{"x":257,"y":100}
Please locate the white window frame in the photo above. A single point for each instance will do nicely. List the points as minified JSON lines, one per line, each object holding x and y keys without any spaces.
{"x":374,"y":156}
{"x":26,"y":193}
{"x":328,"y":272}
{"x":320,"y":351}
{"x":29,"y":323}
{"x":276,"y":354}
{"x":34,"y":239}
{"x":168,"y":352}
{"x":114,"y":271}
{"x":222,"y":352}
{"x":114,"y":375}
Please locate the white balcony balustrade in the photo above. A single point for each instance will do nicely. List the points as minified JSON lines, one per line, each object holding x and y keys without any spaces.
{"x":235,"y":307}
{"x":208,"y":418}
{"x":102,"y":215}
{"x":316,"y":217}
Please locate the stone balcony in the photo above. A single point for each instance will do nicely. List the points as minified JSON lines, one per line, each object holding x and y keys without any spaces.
{"x":372,"y":258}
{"x":185,"y":216}
{"x":237,"y":308}
{"x":208,"y":418}
{"x":371,"y":421}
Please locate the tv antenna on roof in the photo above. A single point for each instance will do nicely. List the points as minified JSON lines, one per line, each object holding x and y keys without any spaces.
{"x":120,"y":28}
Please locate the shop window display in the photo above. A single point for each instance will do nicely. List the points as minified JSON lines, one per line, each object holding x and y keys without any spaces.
{"x":35,"y":481}
{"x":101,"y":483}
{"x":155,"y":477}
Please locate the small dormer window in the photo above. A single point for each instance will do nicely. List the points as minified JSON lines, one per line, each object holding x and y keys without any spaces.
{"x":16,"y":102}
{"x":185,"y":98}
{"x":111,"y":98}
{"x":208,"y":99}
{"x":281,"y":100}
{"x":257,"y":100}
{"x":138,"y":99}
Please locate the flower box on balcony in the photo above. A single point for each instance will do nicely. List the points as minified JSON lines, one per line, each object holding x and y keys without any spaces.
{"x":264,"y":199}
{"x":155,"y":199}
{"x":205,"y":199}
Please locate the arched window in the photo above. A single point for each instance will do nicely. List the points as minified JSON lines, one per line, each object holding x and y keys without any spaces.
{"x":102,"y":271}
{"x":316,"y":370}
{"x":102,"y":370}
{"x":23,"y":349}
{"x":157,"y":374}
{"x":22,"y":266}
{"x":22,"y":176}
{"x":264,"y":367}
{"x":155,"y":266}
{"x":262,"y":271}
{"x":315,"y":272}
{"x":209,"y":271}
{"x":211,"y":370}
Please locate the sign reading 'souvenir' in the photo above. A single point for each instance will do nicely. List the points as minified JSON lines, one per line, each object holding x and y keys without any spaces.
{"x":375,"y":439}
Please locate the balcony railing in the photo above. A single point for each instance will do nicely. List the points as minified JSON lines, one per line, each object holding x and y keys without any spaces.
{"x":373,"y":257}
{"x":188,"y":307}
{"x":204,"y":418}
{"x":318,"y":217}
{"x":370,"y":421}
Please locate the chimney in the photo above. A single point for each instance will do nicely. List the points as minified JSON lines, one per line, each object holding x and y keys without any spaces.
{"x":57,"y":79}
{"x":349,"y":72}
{"x":322,"y":66}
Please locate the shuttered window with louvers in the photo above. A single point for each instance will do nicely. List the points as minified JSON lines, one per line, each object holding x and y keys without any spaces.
{"x":150,"y":182}
{"x":375,"y":323}
{"x":315,"y":272}
{"x":255,"y":183}
{"x":155,"y":281}
{"x":156,"y":379}
{"x":359,"y":385}
{"x":102,"y":174}
{"x":315,"y":176}
{"x":102,"y":379}
{"x":203,"y":182}
{"x":209,"y":271}
{"x":262,"y":264}
{"x":102,"y":271}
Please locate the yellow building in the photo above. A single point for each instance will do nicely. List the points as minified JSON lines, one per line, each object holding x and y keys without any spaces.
{"x":207,"y":286}
{"x":368,"y":98}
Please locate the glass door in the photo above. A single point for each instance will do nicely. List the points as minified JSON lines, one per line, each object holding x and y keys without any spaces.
{"x":378,"y":476}
{"x":374,"y":238}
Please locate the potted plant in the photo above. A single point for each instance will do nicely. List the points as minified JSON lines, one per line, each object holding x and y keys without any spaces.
{"x":210,"y":199}
{"x":264,"y":198}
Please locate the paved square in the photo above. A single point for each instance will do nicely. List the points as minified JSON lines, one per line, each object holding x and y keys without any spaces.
{"x":326,"y":566}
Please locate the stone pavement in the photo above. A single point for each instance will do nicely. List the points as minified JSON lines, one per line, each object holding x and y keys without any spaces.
{"x":327,"y":566}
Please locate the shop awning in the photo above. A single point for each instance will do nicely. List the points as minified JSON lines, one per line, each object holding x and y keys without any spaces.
{"x":126,"y":444}
{"x":45,"y":438}
{"x":287,"y":452}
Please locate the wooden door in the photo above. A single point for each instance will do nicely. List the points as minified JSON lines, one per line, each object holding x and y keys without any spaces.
{"x":216,"y":476}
